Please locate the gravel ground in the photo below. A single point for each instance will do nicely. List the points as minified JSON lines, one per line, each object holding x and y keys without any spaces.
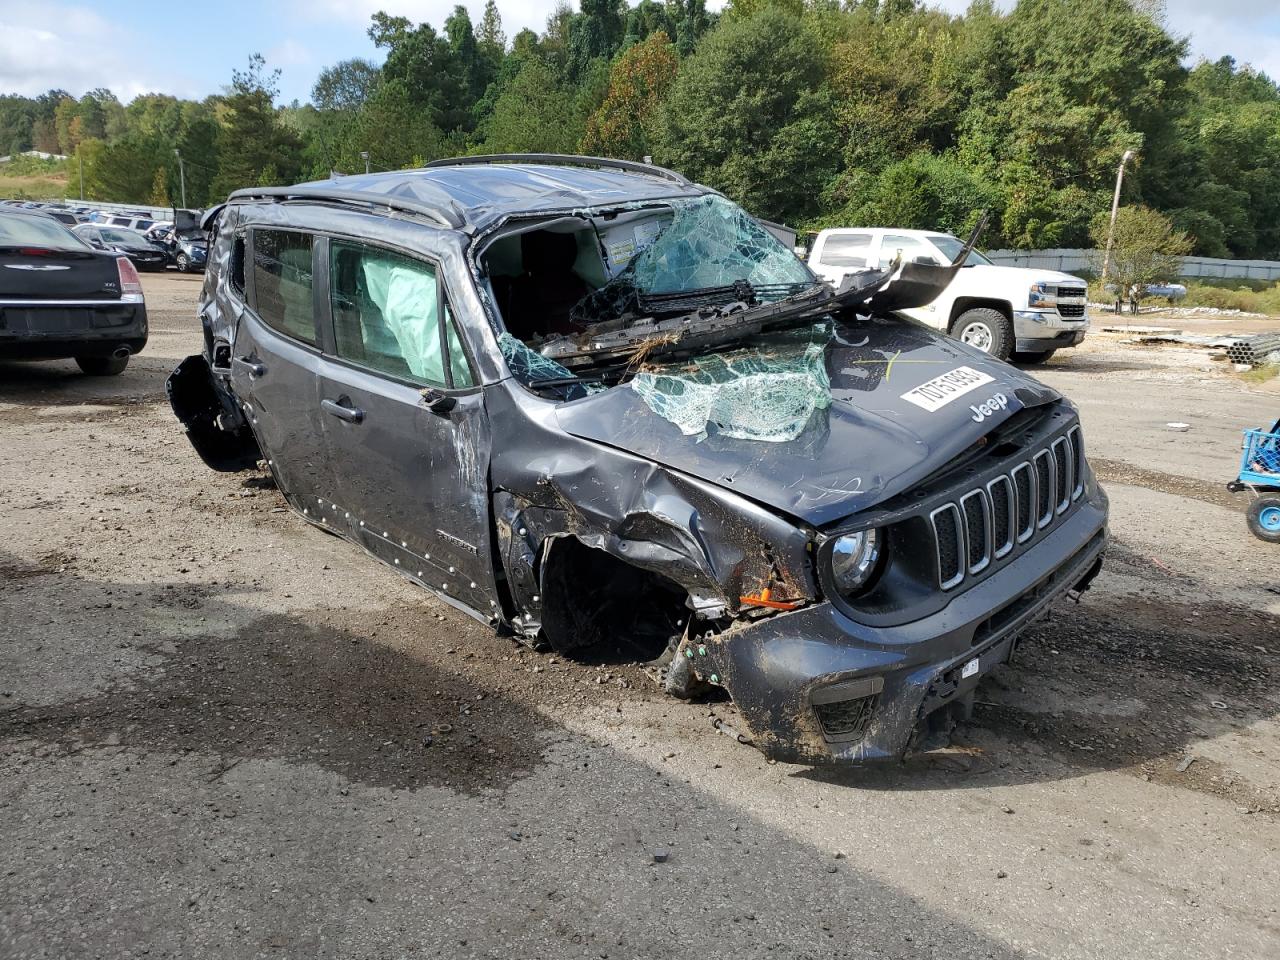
{"x":225,"y":734}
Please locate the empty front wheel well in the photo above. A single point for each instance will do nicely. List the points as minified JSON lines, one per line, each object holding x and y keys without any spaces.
{"x":598,"y":607}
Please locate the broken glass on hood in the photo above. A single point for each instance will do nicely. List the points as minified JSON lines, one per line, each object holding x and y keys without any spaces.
{"x":766,"y":391}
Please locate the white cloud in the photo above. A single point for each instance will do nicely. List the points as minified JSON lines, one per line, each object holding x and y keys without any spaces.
{"x":51,"y":46}
{"x":289,"y":53}
{"x":515,"y":17}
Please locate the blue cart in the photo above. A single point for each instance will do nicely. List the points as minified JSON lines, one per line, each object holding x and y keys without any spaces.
{"x":1260,"y":472}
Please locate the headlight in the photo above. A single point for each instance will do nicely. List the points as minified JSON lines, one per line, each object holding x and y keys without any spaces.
{"x":853,"y":560}
{"x":1042,"y":294}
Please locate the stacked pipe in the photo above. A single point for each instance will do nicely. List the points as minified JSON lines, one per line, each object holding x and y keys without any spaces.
{"x":1254,"y":350}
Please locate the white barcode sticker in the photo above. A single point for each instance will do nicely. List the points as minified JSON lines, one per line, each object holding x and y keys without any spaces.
{"x":970,"y":668}
{"x":938,"y":392}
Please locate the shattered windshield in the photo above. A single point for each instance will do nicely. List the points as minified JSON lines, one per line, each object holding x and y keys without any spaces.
{"x":711,"y":242}
{"x":587,"y":300}
{"x":709,"y":247}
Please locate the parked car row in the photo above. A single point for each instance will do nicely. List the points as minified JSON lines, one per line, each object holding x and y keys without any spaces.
{"x":149,"y":243}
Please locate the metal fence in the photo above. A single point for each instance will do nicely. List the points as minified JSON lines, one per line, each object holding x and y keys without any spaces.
{"x":1075,"y":261}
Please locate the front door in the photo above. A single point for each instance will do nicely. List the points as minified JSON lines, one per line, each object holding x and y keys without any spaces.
{"x":407,"y":431}
{"x":275,"y":363}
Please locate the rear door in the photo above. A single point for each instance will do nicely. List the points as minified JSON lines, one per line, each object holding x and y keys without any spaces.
{"x":406,"y":425}
{"x":275,"y":360}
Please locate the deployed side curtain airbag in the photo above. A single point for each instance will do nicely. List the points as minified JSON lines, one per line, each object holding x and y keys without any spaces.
{"x":405,"y":295}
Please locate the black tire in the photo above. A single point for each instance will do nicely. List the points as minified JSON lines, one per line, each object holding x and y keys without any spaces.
{"x":1044,"y":356}
{"x":1265,"y":527}
{"x":102,"y":366}
{"x":986,"y":329}
{"x":183,"y":263}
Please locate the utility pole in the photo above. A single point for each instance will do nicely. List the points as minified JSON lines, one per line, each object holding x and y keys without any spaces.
{"x":364,"y":155}
{"x":182,"y":177}
{"x":1111,"y":230}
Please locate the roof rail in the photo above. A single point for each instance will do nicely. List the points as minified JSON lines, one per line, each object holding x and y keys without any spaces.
{"x":442,"y":215}
{"x":564,"y":160}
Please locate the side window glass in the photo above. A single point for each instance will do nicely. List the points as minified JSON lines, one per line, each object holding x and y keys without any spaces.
{"x":282,"y":282}
{"x":846,"y":249}
{"x":387,"y":315}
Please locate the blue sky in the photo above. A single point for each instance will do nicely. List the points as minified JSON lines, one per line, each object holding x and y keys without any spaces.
{"x":190,"y":48}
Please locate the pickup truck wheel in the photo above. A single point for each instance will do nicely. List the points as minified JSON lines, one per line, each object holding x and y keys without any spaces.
{"x":1264,"y":518}
{"x":986,"y":329}
{"x":1024,"y":356}
{"x":102,"y":366}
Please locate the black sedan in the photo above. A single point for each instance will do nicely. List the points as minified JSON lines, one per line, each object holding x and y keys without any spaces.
{"x":144,"y":254}
{"x":60,"y":298}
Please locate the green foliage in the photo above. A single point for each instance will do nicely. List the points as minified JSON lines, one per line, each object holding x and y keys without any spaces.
{"x":922,"y":192}
{"x":749,"y":114}
{"x":534,"y":114}
{"x":816,"y":112}
{"x":254,"y":146}
{"x":1146,"y":248}
{"x":636,"y":88}
{"x":1257,"y":297}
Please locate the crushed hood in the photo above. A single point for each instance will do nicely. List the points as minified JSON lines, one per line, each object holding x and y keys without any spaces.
{"x":875,"y":439}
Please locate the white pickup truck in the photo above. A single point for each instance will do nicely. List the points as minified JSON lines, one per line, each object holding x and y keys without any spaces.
{"x":1012,"y":312}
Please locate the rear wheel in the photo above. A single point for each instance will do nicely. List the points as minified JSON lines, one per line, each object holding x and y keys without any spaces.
{"x":1264,"y":518}
{"x":986,"y":329}
{"x":183,"y":263}
{"x":102,"y":366}
{"x":1043,"y":356}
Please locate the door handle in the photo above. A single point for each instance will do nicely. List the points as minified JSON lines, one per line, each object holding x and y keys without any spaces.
{"x":342,"y":409}
{"x":254,"y":368}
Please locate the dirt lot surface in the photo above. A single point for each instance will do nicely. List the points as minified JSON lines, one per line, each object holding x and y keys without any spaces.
{"x":225,"y":734}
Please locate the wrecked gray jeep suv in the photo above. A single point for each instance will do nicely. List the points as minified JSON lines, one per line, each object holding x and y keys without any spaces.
{"x":594,"y":404}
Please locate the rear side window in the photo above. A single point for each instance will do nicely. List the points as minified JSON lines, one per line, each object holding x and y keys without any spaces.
{"x":388,"y":315}
{"x":846,"y":250}
{"x":282,"y":282}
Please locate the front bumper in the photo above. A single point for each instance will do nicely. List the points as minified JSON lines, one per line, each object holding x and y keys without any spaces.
{"x":777,"y":669}
{"x":1039,"y":330}
{"x":52,"y":331}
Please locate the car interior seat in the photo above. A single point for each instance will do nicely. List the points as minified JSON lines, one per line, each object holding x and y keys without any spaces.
{"x":542,"y":296}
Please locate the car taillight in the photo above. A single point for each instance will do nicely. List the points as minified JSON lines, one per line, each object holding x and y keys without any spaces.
{"x":130,"y":284}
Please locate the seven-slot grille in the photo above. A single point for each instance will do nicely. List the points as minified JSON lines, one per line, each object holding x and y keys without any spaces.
{"x":987,"y":523}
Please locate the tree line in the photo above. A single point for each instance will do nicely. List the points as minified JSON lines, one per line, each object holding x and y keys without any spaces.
{"x":812,"y":112}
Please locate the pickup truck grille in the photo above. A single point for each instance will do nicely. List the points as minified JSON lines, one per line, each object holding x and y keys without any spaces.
{"x":988,"y":523}
{"x":1072,"y":311}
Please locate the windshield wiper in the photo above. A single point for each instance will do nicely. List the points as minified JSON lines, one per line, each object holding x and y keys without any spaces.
{"x":740,"y":291}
